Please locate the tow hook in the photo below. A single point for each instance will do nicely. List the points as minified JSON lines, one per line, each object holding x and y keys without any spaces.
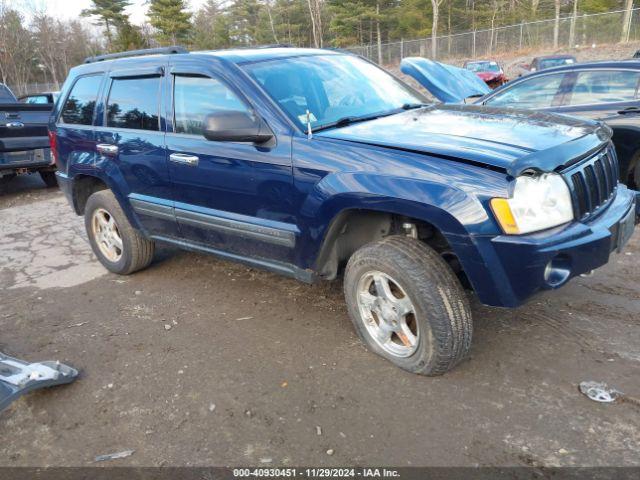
{"x":588,"y":274}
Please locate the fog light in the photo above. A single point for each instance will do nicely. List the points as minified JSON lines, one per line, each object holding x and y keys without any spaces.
{"x":557,"y":271}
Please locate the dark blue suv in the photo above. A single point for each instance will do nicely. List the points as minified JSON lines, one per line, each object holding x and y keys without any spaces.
{"x":318,"y":164}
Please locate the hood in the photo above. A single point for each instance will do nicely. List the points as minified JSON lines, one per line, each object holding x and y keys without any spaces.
{"x":513,"y":140}
{"x":447,"y":83}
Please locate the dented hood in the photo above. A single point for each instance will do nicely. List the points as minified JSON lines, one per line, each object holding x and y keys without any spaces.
{"x":446,"y":83}
{"x":509,"y":139}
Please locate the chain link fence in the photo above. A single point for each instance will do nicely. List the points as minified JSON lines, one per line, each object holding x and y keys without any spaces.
{"x":581,"y":30}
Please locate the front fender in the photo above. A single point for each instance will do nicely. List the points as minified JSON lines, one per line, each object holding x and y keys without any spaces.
{"x":457,"y":214}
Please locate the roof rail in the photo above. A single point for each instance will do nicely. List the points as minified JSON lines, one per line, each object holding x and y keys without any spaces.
{"x":137,"y":53}
{"x":275,"y":45}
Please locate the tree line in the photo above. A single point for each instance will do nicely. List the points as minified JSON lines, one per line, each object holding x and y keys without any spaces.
{"x":45,"y":49}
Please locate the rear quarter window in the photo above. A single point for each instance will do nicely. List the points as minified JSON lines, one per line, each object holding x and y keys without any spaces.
{"x":80,"y":105}
{"x":134,"y":103}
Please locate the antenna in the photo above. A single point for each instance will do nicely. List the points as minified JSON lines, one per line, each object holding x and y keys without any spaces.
{"x":309,"y":131}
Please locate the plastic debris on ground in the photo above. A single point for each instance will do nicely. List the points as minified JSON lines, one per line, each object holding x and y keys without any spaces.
{"x":18,"y":377}
{"x":599,"y":392}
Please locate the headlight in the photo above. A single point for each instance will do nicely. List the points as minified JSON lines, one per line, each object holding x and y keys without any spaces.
{"x":538,"y":202}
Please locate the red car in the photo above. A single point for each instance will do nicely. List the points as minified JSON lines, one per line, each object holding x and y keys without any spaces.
{"x":488,"y":70}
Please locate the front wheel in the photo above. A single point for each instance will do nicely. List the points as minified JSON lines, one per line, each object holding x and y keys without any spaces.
{"x":118,"y":246}
{"x":408,"y":306}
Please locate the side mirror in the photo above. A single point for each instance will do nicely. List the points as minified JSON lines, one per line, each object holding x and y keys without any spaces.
{"x":236,"y":126}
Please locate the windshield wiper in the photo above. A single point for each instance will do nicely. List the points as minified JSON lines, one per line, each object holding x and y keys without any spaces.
{"x":344,"y":121}
{"x":412,"y":106}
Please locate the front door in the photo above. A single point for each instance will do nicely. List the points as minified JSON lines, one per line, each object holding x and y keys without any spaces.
{"x":235,"y":197}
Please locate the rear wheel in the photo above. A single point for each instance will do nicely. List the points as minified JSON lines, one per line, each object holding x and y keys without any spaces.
{"x":118,"y":246}
{"x":7,"y":178}
{"x":408,"y":306}
{"x":49,"y":178}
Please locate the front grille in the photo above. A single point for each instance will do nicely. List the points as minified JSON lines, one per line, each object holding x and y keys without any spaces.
{"x":593,"y":182}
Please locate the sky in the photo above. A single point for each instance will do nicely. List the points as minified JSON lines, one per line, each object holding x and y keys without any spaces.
{"x":68,"y":9}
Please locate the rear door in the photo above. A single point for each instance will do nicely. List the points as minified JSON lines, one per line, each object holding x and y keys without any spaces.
{"x":601,"y":93}
{"x":131,"y":144}
{"x":76,"y":143}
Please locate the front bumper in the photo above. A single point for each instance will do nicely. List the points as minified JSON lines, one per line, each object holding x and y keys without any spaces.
{"x":520,"y":266}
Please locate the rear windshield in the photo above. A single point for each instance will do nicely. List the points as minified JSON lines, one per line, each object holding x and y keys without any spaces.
{"x":483,"y":67}
{"x":555,"y":62}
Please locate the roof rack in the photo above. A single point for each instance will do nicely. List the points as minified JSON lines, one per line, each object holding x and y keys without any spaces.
{"x":137,"y":53}
{"x":274,"y":45}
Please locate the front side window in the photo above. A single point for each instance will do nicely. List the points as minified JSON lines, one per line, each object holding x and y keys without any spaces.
{"x":133,"y":103}
{"x":195,"y":97}
{"x":537,"y":92}
{"x":330,"y":88}
{"x":81,"y":103}
{"x":604,"y":86}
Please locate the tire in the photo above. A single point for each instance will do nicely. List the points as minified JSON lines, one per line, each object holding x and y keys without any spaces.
{"x":7,"y":178}
{"x":440,"y":320}
{"x":49,"y":178}
{"x":132,"y":252}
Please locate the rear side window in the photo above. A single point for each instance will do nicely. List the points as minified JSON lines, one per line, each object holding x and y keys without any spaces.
{"x":196,"y":97}
{"x":81,"y":103}
{"x":605,"y":86}
{"x":133,"y":103}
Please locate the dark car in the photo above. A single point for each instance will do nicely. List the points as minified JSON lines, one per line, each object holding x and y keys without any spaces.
{"x":547,"y":61}
{"x":606,"y":91}
{"x":489,"y":71}
{"x":317,"y":164}
{"x":24,"y":145}
{"x":637,"y":54}
{"x":39,"y":98}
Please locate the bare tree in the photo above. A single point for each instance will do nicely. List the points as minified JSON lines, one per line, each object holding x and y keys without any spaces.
{"x":556,"y":25}
{"x":572,"y":29}
{"x":378,"y":33}
{"x":315,"y":12}
{"x":267,"y":4}
{"x":626,"y":21}
{"x":435,"y":4}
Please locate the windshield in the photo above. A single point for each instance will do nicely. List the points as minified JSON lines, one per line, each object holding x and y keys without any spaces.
{"x":331,"y":88}
{"x":483,"y":67}
{"x":555,"y":62}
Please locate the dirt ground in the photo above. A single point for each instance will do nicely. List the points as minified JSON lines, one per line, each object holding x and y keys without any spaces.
{"x":198,"y":361}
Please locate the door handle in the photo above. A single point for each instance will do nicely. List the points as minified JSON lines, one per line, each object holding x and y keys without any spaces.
{"x":191,"y":160}
{"x":107,"y":149}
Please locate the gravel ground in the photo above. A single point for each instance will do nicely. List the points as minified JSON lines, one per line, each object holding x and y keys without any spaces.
{"x":197,"y":361}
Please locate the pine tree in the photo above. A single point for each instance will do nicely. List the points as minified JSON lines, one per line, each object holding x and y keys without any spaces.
{"x":171,"y":19}
{"x":109,"y":13}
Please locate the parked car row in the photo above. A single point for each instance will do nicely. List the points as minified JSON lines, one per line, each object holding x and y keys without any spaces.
{"x":607,"y":91}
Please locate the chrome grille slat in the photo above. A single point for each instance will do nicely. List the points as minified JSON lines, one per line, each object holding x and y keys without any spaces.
{"x":593,"y":182}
